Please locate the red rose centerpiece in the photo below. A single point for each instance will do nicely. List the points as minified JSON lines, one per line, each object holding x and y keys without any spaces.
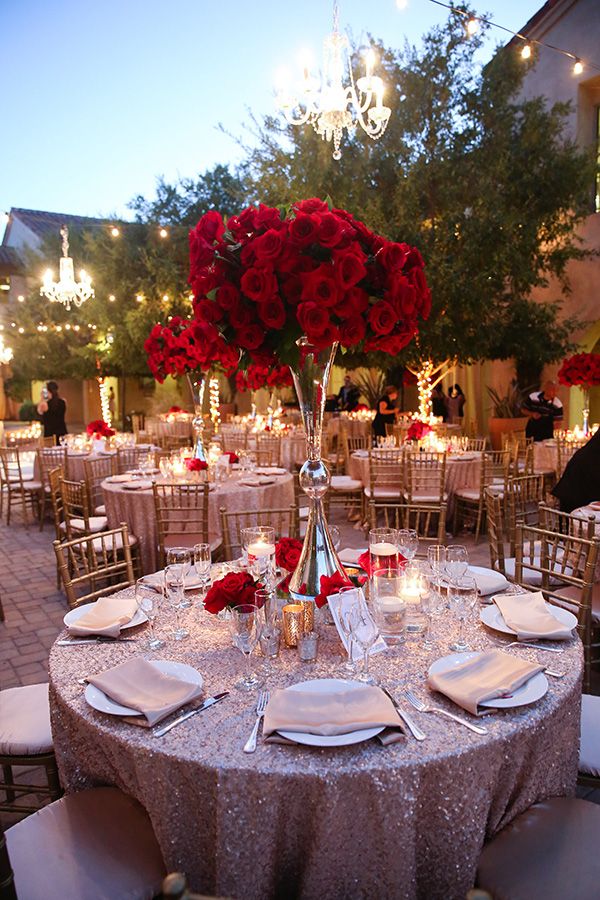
{"x":99,"y":430}
{"x":234,"y":589}
{"x":286,"y":287}
{"x":417,"y":430}
{"x":287,"y":556}
{"x":582,"y":370}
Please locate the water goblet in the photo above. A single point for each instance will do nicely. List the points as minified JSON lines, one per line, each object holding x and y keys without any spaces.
{"x":365,"y":633}
{"x":245,"y":629}
{"x":202,"y":564}
{"x":408,"y":542}
{"x":463,"y":598}
{"x":174,"y":587}
{"x":349,"y":666}
{"x":436,"y":557}
{"x":148,"y":599}
{"x":457,"y":562}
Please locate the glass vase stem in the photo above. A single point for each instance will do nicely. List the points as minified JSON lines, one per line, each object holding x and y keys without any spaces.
{"x":197,"y":383}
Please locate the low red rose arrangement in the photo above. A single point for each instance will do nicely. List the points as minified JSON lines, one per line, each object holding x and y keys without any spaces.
{"x":287,"y":557}
{"x":176,"y":409}
{"x":580,"y":370}
{"x":331,"y":584}
{"x":233,"y":458}
{"x":99,"y":429}
{"x":270,"y":275}
{"x":234,"y":589}
{"x":418,"y":430}
{"x":256,"y":377}
{"x":196,"y":465}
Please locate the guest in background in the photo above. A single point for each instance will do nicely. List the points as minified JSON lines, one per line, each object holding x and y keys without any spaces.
{"x":544,"y":410}
{"x":53,"y":418}
{"x":331,"y":403}
{"x":386,"y":410}
{"x":348,"y":395}
{"x":438,"y":403}
{"x":580,"y":482}
{"x":455,"y":402}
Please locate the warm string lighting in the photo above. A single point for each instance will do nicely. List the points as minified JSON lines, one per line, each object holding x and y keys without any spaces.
{"x":213,"y":393}
{"x":6,"y":353}
{"x":472,"y":25}
{"x":104,"y":401}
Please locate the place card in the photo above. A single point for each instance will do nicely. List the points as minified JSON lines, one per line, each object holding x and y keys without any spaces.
{"x":340,"y":605}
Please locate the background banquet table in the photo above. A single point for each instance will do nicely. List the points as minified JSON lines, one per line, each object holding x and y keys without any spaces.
{"x":136,"y":508}
{"x":404,"y":821}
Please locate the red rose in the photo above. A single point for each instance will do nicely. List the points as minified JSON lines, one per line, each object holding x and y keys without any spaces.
{"x":391,"y":343}
{"x":327,"y":338}
{"x":233,"y":458}
{"x":268,"y":217}
{"x":201,"y":252}
{"x":393,"y":256}
{"x":352,"y":331}
{"x":402,"y":296}
{"x":304,"y":229}
{"x":321,"y":285}
{"x":356,"y":300}
{"x":313,"y":319}
{"x":259,"y":284}
{"x":382,"y":317}
{"x":268,"y":247}
{"x":228,"y":296}
{"x":207,"y":311}
{"x":314,"y":205}
{"x":331,"y":230}
{"x":196,"y":465}
{"x":349,"y":268}
{"x":331,"y":584}
{"x":287,"y":553}
{"x":251,"y":337}
{"x":240,"y":316}
{"x":211,"y":226}
{"x":235,"y":589}
{"x":272,"y":313}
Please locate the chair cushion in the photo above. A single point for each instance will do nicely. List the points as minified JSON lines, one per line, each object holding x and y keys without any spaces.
{"x":385,"y":493}
{"x":118,"y":542}
{"x":530,"y":576}
{"x":97,"y":523}
{"x":32,"y":485}
{"x":96,"y":844}
{"x":589,"y":749}
{"x":468,"y":494}
{"x":100,"y":510}
{"x":25,"y":721}
{"x":572,"y":593}
{"x":424,"y":497}
{"x":550,"y":852}
{"x":345,"y":483}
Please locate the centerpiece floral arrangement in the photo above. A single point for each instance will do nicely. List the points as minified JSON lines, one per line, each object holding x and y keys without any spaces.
{"x":272,"y":275}
{"x":417,"y":430}
{"x":580,"y":370}
{"x":234,"y":589}
{"x":185,"y":346}
{"x":256,"y":377}
{"x":99,"y":429}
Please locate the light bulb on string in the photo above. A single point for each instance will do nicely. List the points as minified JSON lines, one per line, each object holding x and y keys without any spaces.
{"x":577,"y":67}
{"x":115,"y":232}
{"x":163,"y":233}
{"x":526,"y":51}
{"x":472,"y":26}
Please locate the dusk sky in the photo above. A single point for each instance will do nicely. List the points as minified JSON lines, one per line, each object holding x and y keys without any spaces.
{"x":100,"y":98}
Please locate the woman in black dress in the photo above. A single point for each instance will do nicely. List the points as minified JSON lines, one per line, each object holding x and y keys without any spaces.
{"x":386,"y":411}
{"x":580,"y":482}
{"x":53,"y":417}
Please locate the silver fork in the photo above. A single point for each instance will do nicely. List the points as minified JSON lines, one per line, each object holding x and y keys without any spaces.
{"x":424,"y":708}
{"x":532,"y":646}
{"x":263,"y":699}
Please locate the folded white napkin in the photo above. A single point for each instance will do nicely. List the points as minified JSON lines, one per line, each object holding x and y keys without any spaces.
{"x":119,"y":479}
{"x":483,"y":677}
{"x":106,"y":617}
{"x":140,"y":685}
{"x":350,"y":556}
{"x":531,"y":617}
{"x":312,"y":712}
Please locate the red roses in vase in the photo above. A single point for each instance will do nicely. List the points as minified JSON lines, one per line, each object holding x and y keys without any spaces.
{"x":99,"y":429}
{"x":234,"y":589}
{"x":580,"y":370}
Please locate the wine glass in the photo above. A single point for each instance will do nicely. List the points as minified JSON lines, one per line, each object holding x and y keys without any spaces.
{"x":181,"y":556}
{"x":457,"y":562}
{"x":148,"y":599}
{"x":463,"y":597}
{"x":365,"y":633}
{"x":244,"y":627}
{"x":408,"y":542}
{"x":202,"y":564}
{"x":174,"y":587}
{"x":436,"y":557}
{"x":344,"y":618}
{"x":334,"y":534}
{"x":164,"y":464}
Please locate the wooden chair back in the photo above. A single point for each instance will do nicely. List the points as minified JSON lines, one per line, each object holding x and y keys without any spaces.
{"x":495,"y":531}
{"x":50,"y":458}
{"x":76,"y":507}
{"x":283,"y":520}
{"x":55,"y":477}
{"x":268,"y":449}
{"x":495,"y":469}
{"x":477,"y":444}
{"x":566,"y":450}
{"x":522,"y":499}
{"x":425,"y":477}
{"x":234,"y":439}
{"x":132,"y":458}
{"x":93,"y":565}
{"x":95,"y":471}
{"x":172,"y":442}
{"x":428,"y":520}
{"x":575,"y":524}
{"x":48,"y":441}
{"x":181,"y":512}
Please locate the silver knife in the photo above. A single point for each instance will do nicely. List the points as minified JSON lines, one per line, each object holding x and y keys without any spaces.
{"x":414,"y":729}
{"x":71,"y":643}
{"x":210,"y":701}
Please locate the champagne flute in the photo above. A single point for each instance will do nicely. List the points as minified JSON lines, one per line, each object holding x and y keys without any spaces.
{"x":457,"y":562}
{"x":244,"y":628}
{"x":365,"y":633}
{"x":408,"y":542}
{"x":148,"y":599}
{"x":202,"y":564}
{"x":463,"y":598}
{"x":181,"y":556}
{"x":174,"y":586}
{"x":436,"y":557}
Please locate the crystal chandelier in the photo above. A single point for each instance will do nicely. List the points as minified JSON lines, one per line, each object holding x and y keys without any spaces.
{"x":6,"y":353}
{"x":66,"y":290}
{"x":329,"y":106}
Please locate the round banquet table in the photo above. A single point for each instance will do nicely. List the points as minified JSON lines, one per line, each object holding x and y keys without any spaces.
{"x":545,"y":456}
{"x":403,"y":821}
{"x":136,"y":508}
{"x":462,"y":471}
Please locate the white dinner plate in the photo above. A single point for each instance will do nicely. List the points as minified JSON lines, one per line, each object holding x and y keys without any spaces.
{"x":156,"y":579}
{"x":350,"y":556}
{"x":469,"y":455}
{"x":493,"y":618}
{"x":271,"y":470}
{"x":488,"y":580}
{"x":118,"y":479}
{"x":73,"y":615}
{"x":97,"y":699}
{"x":138,"y":486}
{"x":528,"y":693}
{"x":329,"y":686}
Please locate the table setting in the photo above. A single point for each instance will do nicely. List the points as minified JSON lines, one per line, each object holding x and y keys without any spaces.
{"x":434,"y":744}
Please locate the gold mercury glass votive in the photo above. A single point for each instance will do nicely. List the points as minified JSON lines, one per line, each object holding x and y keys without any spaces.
{"x":308,"y":607}
{"x":293,"y":623}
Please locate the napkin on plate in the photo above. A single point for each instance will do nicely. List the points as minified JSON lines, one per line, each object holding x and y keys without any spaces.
{"x":118,"y":479}
{"x":106,"y":617}
{"x":341,"y":712}
{"x":483,"y":677}
{"x":140,"y":685}
{"x":271,"y":470}
{"x":138,"y":486}
{"x":531,"y":617}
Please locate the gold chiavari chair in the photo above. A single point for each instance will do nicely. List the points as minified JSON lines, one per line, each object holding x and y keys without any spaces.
{"x":495,"y":533}
{"x":282,"y":520}
{"x":234,"y":439}
{"x":476,"y":444}
{"x":127,"y":458}
{"x":268,"y":449}
{"x":95,"y":471}
{"x":471,"y":501}
{"x":96,"y":564}
{"x":171,"y":442}
{"x":425,"y":477}
{"x":49,"y":458}
{"x":77,"y":510}
{"x":524,"y":494}
{"x":54,"y":480}
{"x":399,"y":431}
{"x":566,"y":450}
{"x":427,"y":519}
{"x":181,"y":512}
{"x":18,"y":491}
{"x":384,"y":492}
{"x":48,"y":441}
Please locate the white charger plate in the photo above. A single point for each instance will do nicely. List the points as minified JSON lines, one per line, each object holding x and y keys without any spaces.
{"x":493,"y":618}
{"x":73,"y":615}
{"x":532,"y":690}
{"x":488,"y":580}
{"x":97,"y":699}
{"x":329,"y":686}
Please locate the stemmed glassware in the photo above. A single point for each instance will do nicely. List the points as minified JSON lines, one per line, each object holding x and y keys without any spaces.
{"x":344,"y":617}
{"x":244,"y":626}
{"x":457,"y":562}
{"x":174,"y":586}
{"x":202,"y":564}
{"x":463,"y":597}
{"x":408,"y":542}
{"x":365,"y":633}
{"x":436,"y":557}
{"x":148,"y":601}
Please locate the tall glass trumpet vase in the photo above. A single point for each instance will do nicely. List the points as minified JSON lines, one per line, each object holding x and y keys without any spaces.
{"x":586,"y":409}
{"x":318,"y":557}
{"x":197,"y":383}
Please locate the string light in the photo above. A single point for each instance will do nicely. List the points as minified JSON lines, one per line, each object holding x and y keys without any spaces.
{"x":215,"y":415}
{"x":577,"y":67}
{"x":139,"y":298}
{"x":472,"y":26}
{"x":111,"y":298}
{"x":115,"y":231}
{"x":163,"y":233}
{"x":526,"y":51}
{"x":104,"y":401}
{"x":21,"y":298}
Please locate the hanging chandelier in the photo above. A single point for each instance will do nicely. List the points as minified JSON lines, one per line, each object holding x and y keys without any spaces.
{"x":6,"y":353}
{"x":332,"y":108}
{"x":66,"y":290}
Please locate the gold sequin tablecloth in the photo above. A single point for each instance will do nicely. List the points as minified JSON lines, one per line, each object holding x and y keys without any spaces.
{"x":405,"y":821}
